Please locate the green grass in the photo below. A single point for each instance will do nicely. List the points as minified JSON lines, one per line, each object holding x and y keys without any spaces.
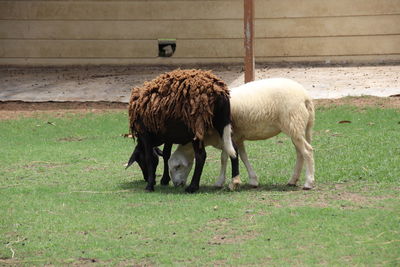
{"x":65,"y":198}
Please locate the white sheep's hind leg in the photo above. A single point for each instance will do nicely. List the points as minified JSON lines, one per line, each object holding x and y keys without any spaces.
{"x":252,"y":174}
{"x":222,"y":174}
{"x":307,"y":152}
{"x":310,"y":180}
{"x":297,"y":168}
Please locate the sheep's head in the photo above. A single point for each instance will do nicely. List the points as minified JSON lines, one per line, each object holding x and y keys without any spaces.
{"x":180,"y":163}
{"x":138,"y":156}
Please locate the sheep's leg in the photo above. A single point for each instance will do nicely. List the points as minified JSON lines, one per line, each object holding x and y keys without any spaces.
{"x":297,"y":168}
{"x":150,"y":161}
{"x":310,"y":180}
{"x":143,"y":167}
{"x":252,"y":174}
{"x":166,"y":155}
{"x":141,"y":159}
{"x":222,"y":174}
{"x":200,"y":157}
{"x":306,"y":152}
{"x":235,"y":172}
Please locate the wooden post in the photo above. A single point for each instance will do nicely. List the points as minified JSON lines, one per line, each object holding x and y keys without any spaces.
{"x":249,"y":41}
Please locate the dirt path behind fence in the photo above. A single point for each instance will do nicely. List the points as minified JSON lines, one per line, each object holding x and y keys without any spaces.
{"x":113,"y":84}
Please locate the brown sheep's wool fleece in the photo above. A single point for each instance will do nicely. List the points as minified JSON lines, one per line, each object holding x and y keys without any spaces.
{"x":184,"y":95}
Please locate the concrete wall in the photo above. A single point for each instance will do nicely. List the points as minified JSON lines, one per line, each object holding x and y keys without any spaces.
{"x":57,"y":32}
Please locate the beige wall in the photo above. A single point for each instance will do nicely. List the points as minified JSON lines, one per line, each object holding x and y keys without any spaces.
{"x":126,"y":32}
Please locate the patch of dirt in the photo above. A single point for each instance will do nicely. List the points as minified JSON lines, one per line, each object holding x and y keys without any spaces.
{"x":223,"y":236}
{"x":113,"y":83}
{"x":18,"y":109}
{"x":89,"y":169}
{"x":43,"y":164}
{"x":86,"y":262}
{"x":361,"y":102}
{"x":70,"y":139}
{"x":134,"y":263}
{"x":8,"y":262}
{"x":220,"y":263}
{"x":339,"y":195}
{"x":34,"y":106}
{"x":231,"y":238}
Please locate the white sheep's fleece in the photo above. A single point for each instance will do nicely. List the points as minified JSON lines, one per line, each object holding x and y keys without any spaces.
{"x":272,"y":95}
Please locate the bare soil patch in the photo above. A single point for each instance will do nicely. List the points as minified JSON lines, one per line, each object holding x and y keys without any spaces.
{"x":51,"y":106}
{"x":364,"y":101}
{"x":19,"y":109}
{"x":342,"y":195}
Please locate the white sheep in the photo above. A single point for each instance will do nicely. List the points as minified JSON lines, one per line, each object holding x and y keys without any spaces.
{"x":260,"y":110}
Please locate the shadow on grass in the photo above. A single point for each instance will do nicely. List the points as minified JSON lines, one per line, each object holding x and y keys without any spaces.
{"x":139,"y":186}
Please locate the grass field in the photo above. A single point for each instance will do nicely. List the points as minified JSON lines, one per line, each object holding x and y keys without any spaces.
{"x":66,"y":199}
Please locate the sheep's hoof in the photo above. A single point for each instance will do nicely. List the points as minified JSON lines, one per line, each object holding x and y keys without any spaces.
{"x":164,"y":181}
{"x":253,"y":184}
{"x":150,"y":188}
{"x":191,"y":189}
{"x":308,"y":186}
{"x":235,"y":184}
{"x":291,"y":185}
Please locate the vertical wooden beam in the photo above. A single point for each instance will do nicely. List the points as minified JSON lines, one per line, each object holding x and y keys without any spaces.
{"x":249,"y":41}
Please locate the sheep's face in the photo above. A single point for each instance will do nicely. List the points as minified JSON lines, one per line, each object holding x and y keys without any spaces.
{"x":179,"y":168}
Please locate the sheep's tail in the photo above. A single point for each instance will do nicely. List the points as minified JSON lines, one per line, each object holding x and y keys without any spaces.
{"x":311,"y":118}
{"x":222,"y":123}
{"x":227,"y":140}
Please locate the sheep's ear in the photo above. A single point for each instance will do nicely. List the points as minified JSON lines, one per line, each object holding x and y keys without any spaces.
{"x":134,"y":157}
{"x":132,"y":160}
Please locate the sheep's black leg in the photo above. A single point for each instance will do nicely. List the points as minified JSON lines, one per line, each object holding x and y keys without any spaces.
{"x":150,"y":161}
{"x":235,"y":164}
{"x":200,"y":156}
{"x":143,"y":166}
{"x":235,"y":171}
{"x":144,"y":172}
{"x":166,"y":155}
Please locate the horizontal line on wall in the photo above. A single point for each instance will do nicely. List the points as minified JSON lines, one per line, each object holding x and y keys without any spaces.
{"x":206,"y":19}
{"x":200,"y":39}
{"x":203,"y":58}
{"x":347,"y":55}
{"x":322,"y":17}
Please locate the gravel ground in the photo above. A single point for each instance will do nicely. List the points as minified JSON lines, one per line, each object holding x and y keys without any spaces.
{"x":113,"y":84}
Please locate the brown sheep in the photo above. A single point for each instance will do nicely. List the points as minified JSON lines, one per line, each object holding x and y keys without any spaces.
{"x":178,"y":107}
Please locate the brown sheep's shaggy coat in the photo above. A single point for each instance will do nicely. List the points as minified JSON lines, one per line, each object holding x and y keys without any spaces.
{"x":184,"y":95}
